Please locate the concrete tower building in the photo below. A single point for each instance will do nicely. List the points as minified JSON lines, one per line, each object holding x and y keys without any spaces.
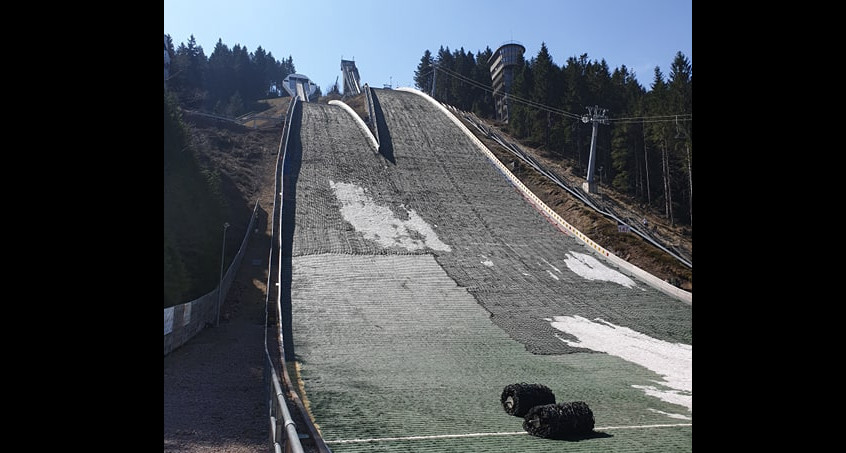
{"x":504,"y":63}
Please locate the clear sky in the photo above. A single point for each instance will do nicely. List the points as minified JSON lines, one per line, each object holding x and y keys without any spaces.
{"x":386,"y":39}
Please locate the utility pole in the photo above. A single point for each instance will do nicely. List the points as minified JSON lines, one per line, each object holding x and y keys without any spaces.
{"x":220,"y":285}
{"x":434,"y":77}
{"x":597,"y":116}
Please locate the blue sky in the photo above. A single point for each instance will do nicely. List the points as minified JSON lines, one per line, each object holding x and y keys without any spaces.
{"x":387,"y":38}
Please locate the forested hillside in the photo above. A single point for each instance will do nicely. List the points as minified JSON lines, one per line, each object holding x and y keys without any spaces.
{"x":645,"y":150}
{"x":228,"y":82}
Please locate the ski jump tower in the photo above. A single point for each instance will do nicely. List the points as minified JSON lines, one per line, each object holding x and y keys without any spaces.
{"x":352,"y":85}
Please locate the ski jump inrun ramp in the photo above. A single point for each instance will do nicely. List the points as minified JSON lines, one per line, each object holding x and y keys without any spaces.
{"x":420,"y":281}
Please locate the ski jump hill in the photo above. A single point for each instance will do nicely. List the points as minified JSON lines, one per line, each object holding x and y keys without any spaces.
{"x":420,"y":280}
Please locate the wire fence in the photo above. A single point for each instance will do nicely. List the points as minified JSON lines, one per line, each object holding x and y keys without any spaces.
{"x":184,"y":321}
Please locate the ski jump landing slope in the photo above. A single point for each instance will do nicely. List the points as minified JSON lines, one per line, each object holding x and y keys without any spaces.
{"x":422,"y":282}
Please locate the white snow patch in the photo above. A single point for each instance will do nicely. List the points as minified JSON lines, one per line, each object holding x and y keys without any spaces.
{"x":552,"y":275}
{"x":677,"y":416}
{"x":487,"y":261}
{"x":590,"y":268}
{"x":379,"y":223}
{"x":550,"y":265}
{"x":673,"y":361}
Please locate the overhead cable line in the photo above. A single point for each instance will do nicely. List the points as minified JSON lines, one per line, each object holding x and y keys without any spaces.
{"x":657,"y":116}
{"x":646,"y":120}
{"x":539,"y":106}
{"x":518,"y":99}
{"x":654,"y":119}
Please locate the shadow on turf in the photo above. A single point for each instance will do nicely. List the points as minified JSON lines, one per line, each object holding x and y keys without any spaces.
{"x":386,"y":143}
{"x":580,"y":437}
{"x":289,"y":177}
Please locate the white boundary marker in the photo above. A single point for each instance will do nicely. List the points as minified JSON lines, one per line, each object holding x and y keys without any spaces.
{"x":512,"y":433}
{"x":650,"y":279}
{"x":358,"y":120}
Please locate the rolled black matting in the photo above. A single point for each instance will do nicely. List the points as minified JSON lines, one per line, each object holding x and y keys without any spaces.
{"x":559,"y":421}
{"x":518,"y":399}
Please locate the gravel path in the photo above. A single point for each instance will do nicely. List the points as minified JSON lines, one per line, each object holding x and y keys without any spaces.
{"x":214,"y":391}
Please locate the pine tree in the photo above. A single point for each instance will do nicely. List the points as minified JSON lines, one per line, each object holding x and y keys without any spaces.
{"x":658,"y":138}
{"x":261,"y":73}
{"x":460,"y":90}
{"x":423,"y":74}
{"x":544,"y":91}
{"x":243,"y":67}
{"x":483,"y":105}
{"x":626,"y":137}
{"x":171,"y":53}
{"x":189,"y":67}
{"x":519,"y":115}
{"x":445,"y":64}
{"x":679,"y":81}
{"x":220,"y":78}
{"x":680,"y":101}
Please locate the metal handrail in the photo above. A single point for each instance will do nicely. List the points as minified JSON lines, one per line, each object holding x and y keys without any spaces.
{"x":278,"y":403}
{"x":211,"y":115}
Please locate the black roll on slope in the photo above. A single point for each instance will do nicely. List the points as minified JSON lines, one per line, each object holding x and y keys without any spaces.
{"x":518,"y":399}
{"x":559,"y":421}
